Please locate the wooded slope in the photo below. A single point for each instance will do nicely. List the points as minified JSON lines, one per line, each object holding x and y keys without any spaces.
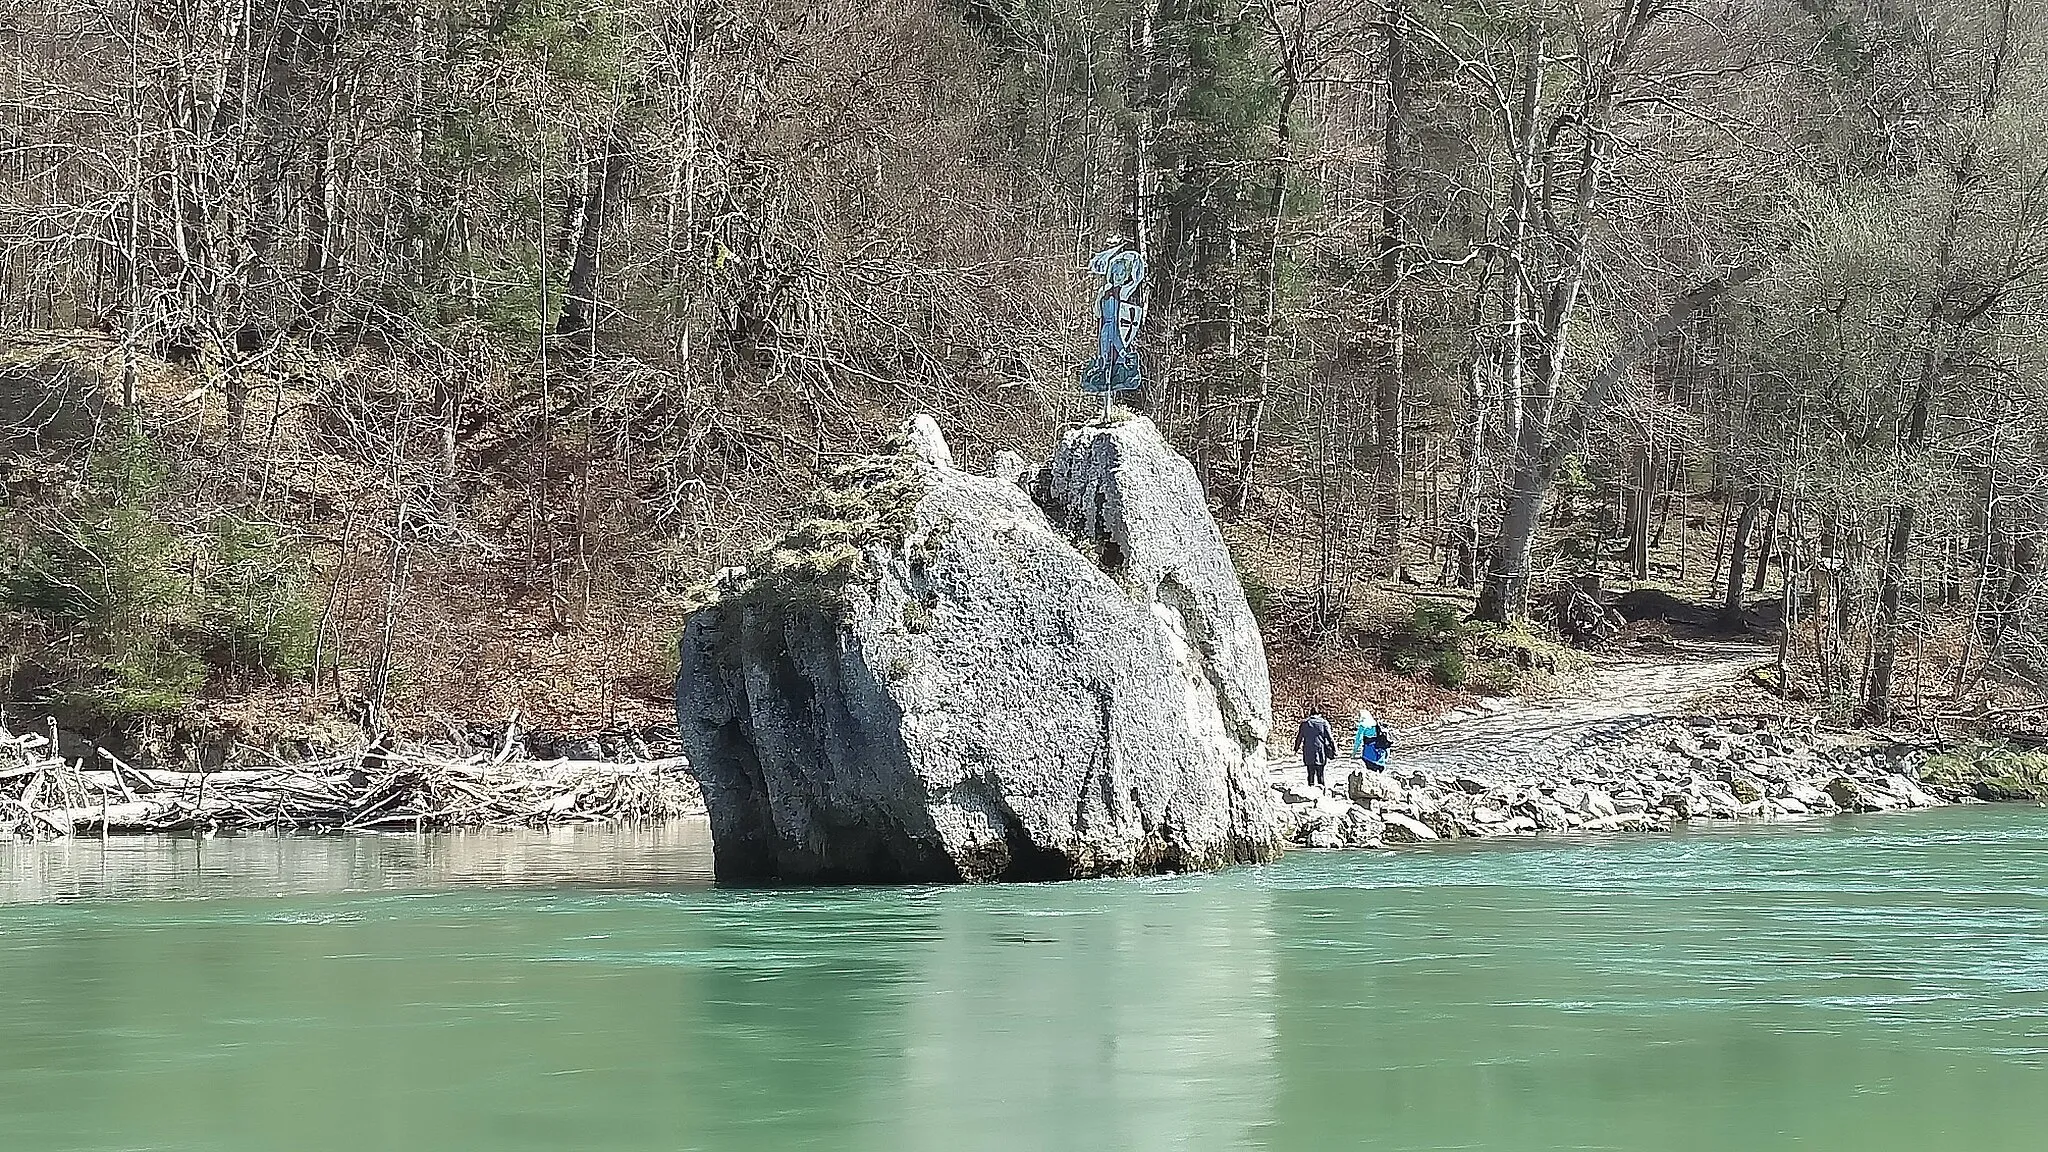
{"x":427,"y":350}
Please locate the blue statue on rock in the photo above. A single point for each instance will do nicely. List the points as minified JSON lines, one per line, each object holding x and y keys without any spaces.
{"x":1118,"y":307}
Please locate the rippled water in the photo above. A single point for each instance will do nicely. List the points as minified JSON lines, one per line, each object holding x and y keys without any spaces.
{"x":1864,"y":985}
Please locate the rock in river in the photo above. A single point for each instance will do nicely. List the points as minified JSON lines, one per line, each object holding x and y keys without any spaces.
{"x":943,"y":676}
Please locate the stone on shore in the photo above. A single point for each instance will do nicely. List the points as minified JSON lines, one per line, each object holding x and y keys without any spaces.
{"x":1360,"y":827}
{"x":1401,"y":829}
{"x":1910,"y":792}
{"x":1549,"y":815}
{"x":1808,"y":797}
{"x":1855,"y":796}
{"x":926,"y":442}
{"x":1626,"y":822}
{"x":1295,"y":792}
{"x":1368,"y":785}
{"x":949,"y":677}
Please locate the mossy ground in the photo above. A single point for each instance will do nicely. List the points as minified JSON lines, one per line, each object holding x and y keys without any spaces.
{"x":1991,"y":771}
{"x":1457,"y":653}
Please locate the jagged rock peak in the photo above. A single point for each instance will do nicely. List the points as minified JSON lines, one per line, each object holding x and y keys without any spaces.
{"x":926,"y":442}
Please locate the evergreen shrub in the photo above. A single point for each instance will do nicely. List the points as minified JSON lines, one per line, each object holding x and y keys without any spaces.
{"x":139,"y":617}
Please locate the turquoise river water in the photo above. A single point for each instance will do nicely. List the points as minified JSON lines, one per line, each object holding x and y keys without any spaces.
{"x":1866,"y":985}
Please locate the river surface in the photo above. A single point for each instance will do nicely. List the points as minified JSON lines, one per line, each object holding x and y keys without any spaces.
{"x":1865,"y":985}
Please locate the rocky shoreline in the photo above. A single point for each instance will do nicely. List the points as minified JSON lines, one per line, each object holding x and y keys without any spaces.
{"x":1657,"y":777}
{"x":1653,"y":777}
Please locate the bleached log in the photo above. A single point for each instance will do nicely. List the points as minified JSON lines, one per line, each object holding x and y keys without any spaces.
{"x":46,"y":795}
{"x":136,"y":816}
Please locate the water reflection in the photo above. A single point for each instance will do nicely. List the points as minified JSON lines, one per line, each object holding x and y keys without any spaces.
{"x":664,"y":855}
{"x":1114,"y":1015}
{"x":1882,"y":987}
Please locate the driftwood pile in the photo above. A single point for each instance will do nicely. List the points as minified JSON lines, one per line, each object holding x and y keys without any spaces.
{"x":43,"y":795}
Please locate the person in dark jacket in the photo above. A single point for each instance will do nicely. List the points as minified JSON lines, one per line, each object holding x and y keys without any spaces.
{"x":1315,"y":743}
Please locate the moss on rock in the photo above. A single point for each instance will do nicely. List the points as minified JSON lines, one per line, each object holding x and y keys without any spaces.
{"x":866,"y":505}
{"x":1990,"y":771}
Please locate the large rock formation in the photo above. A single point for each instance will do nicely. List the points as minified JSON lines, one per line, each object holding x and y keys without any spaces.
{"x":946,"y":676}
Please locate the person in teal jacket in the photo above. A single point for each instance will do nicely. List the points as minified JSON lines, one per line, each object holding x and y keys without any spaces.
{"x":1370,"y":742}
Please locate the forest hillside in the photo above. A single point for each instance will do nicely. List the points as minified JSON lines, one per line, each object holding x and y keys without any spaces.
{"x":407,"y":363}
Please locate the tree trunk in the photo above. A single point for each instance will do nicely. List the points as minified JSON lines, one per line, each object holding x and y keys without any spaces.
{"x":1463,"y":559}
{"x":585,"y":216}
{"x":1389,"y":449}
{"x":1891,"y":578}
{"x":1522,"y":219}
{"x":1738,"y":558}
{"x":1150,"y":97}
{"x":1684,"y":533}
{"x":416,"y":131}
{"x":1788,"y":567}
{"x":1269,"y":291}
{"x":1505,"y":597}
{"x":317,"y":269}
{"x":1641,"y":500}
{"x":2026,"y":574}
{"x":131,"y":235}
{"x":1669,"y":483}
{"x":1720,"y":538}
{"x":1763,"y":554}
{"x":1537,"y":451}
{"x":1890,"y":583}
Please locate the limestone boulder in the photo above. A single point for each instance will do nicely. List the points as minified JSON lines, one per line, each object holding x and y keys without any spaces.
{"x":1316,"y":822}
{"x":1549,"y":815}
{"x":1909,"y":791}
{"x":1597,"y":803}
{"x":943,"y":676}
{"x":1809,"y":797}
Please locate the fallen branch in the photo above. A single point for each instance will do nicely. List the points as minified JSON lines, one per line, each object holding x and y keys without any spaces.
{"x":404,"y":789}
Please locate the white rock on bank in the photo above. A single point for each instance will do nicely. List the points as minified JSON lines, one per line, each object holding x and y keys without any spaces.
{"x":1911,"y":792}
{"x":1404,"y":829}
{"x":1361,"y":828}
{"x":1598,"y":803}
{"x":1367,"y":785}
{"x":1626,"y":822}
{"x":1854,"y":796}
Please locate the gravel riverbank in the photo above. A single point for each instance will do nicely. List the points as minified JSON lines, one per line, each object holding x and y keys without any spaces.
{"x":1646,"y":776}
{"x":1640,"y":745}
